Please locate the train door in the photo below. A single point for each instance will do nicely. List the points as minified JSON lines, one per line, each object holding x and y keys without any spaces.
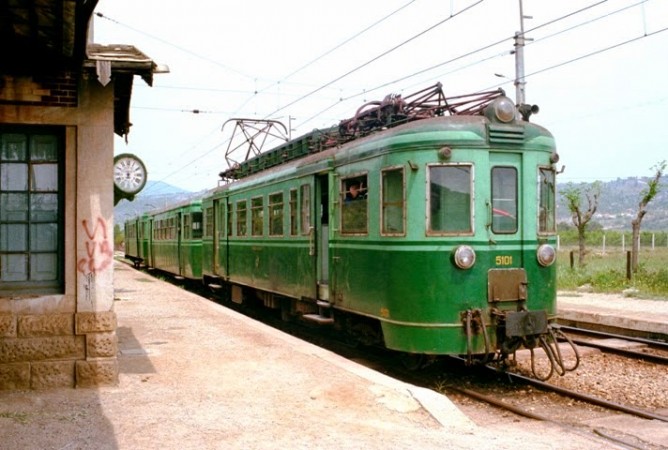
{"x":506,"y":202}
{"x":180,"y":257}
{"x":322,"y":235}
{"x":221,"y":227}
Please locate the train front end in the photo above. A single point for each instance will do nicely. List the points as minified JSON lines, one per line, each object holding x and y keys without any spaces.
{"x":482,"y":276}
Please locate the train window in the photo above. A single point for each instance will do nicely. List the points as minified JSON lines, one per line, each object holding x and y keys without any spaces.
{"x":449,"y":200}
{"x":306,"y":209}
{"x":276,"y":214}
{"x":197,"y":225}
{"x":257,"y":216}
{"x":392,"y":208}
{"x":354,"y":206}
{"x":504,"y":199}
{"x":230,"y":207}
{"x":546,"y":200}
{"x":293,"y":212}
{"x":242,"y":216}
{"x":187,"y":227}
{"x":208,"y":222}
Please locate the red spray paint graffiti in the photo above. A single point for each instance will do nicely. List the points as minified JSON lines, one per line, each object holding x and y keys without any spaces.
{"x":99,"y":250}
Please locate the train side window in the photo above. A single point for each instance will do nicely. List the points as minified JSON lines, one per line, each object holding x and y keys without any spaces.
{"x":293,"y":212}
{"x":449,"y":199}
{"x":242,"y":215}
{"x":208,"y":222}
{"x":354,"y":205}
{"x":257,"y":216}
{"x":504,"y":199}
{"x":306,"y":208}
{"x":546,"y":200}
{"x":187,"y":227}
{"x":393,"y":202}
{"x":197,"y":225}
{"x":276,"y":214}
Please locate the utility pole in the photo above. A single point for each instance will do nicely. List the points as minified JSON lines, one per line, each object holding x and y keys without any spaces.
{"x":519,"y":60}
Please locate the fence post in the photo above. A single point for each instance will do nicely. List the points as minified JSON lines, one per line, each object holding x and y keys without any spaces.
{"x":572,"y":259}
{"x":628,"y":265}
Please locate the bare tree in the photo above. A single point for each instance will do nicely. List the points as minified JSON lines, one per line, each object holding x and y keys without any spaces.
{"x":581,"y":217}
{"x":647,"y":195}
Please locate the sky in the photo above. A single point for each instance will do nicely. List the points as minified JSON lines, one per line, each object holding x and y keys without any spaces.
{"x":598,"y":71}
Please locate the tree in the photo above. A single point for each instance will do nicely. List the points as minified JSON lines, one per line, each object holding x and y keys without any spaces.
{"x":573,"y":196}
{"x":646,"y":196}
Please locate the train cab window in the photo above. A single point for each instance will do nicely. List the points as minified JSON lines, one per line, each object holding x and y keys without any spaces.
{"x":504,"y":199}
{"x":546,"y":200}
{"x":293,"y":212}
{"x":242,"y":215}
{"x":449,"y":199}
{"x":257,"y":216}
{"x":276,"y":214}
{"x":306,"y":209}
{"x":354,"y":205}
{"x":393,"y":210}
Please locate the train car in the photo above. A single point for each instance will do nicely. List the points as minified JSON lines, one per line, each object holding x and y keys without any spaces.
{"x":137,"y":242}
{"x":426,"y":224}
{"x":176,"y":240}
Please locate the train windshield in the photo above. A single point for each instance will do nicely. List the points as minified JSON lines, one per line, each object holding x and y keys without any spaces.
{"x":450,"y":199}
{"x":504,"y":199}
{"x":546,"y":200}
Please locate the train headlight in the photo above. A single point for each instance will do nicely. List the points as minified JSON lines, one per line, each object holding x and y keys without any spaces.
{"x":546,"y":255}
{"x":502,"y":109}
{"x":464,"y":257}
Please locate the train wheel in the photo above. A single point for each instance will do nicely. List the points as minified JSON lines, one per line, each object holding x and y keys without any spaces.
{"x":413,"y":361}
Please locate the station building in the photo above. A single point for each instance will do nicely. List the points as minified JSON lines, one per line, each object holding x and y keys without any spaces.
{"x":62,"y":99}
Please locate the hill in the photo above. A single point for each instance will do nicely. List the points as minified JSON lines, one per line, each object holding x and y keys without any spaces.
{"x":618,"y":204}
{"x":155,"y":195}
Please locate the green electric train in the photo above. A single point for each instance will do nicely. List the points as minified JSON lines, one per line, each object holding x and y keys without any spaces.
{"x":425,"y":224}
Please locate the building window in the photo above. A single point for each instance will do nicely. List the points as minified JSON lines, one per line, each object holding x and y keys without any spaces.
{"x":31,"y":204}
{"x":449,"y":199}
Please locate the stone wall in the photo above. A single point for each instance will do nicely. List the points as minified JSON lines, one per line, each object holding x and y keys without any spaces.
{"x":67,"y":339}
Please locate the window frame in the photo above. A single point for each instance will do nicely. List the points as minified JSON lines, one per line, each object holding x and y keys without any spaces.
{"x":539,"y":196}
{"x":382,"y":203}
{"x":344,"y":188}
{"x":492,"y":185}
{"x":272,"y":221}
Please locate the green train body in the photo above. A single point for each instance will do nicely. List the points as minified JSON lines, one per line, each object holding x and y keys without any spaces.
{"x":169,"y":240}
{"x":448,"y":249}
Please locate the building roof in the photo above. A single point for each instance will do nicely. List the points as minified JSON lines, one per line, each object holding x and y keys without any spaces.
{"x":48,"y":36}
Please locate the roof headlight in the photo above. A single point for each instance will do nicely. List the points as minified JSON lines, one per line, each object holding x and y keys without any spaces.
{"x":464,"y":257}
{"x":502,"y":109}
{"x":546,"y":255}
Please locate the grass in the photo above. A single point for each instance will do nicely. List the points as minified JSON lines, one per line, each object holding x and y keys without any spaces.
{"x":606,"y":272}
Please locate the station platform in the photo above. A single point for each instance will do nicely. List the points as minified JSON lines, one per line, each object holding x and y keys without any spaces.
{"x":194,"y":374}
{"x":615,"y":313}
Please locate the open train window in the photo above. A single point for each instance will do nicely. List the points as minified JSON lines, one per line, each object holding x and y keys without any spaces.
{"x":354,"y":205}
{"x":449,"y":199}
{"x":393,"y":210}
{"x":546,"y":200}
{"x":197,"y":225}
{"x":504,"y":199}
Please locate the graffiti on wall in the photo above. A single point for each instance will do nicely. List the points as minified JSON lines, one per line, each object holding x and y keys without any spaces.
{"x":99,"y":250}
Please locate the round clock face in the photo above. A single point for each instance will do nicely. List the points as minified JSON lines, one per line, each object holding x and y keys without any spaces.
{"x":129,"y":173}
